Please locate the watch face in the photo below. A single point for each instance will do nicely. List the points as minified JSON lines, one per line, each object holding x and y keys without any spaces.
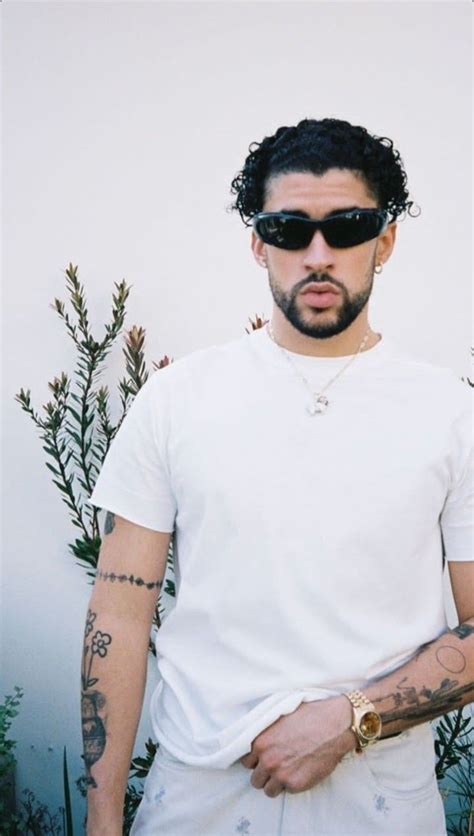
{"x":370,"y":725}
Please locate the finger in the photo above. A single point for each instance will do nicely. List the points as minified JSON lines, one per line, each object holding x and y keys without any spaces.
{"x":273,"y":788}
{"x":259,"y":778}
{"x":250,"y":760}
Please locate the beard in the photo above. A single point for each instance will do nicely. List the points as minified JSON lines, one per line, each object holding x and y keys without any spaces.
{"x":348,"y":308}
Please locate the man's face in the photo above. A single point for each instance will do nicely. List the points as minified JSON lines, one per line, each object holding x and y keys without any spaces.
{"x":349,"y":270}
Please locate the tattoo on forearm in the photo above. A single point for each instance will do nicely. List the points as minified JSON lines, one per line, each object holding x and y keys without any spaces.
{"x":93,"y":701}
{"x":451,"y":659}
{"x":113,"y":576}
{"x":462,"y":631}
{"x":109,"y":523}
{"x":426,"y":704}
{"x":422,"y":649}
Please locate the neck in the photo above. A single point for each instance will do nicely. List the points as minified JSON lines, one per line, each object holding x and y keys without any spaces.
{"x":340,"y":345}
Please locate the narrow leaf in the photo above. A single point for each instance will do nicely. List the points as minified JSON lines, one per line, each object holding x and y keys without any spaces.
{"x":67,"y":798}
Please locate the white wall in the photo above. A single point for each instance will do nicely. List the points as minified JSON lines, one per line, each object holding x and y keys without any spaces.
{"x":124,"y":124}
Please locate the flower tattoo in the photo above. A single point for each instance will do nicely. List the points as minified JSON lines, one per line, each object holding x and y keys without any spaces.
{"x":93,"y":702}
{"x":91,"y":617}
{"x":100,"y":642}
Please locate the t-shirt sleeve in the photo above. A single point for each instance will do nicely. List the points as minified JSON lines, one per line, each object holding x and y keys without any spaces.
{"x":457,"y":517}
{"x":134,"y":481}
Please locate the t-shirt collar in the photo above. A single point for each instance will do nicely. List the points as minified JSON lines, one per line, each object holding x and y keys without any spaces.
{"x":369,"y":358}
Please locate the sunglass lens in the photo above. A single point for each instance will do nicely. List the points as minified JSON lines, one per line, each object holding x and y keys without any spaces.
{"x":348,"y":231}
{"x":287,"y":233}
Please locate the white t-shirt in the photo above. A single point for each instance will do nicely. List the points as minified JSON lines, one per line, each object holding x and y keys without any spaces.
{"x":308,"y":549}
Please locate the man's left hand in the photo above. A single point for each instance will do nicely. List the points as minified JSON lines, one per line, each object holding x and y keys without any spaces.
{"x":302,"y":748}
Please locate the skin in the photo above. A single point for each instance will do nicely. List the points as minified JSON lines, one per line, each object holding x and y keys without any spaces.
{"x":131,"y":567}
{"x":322,"y":332}
{"x":302,"y":748}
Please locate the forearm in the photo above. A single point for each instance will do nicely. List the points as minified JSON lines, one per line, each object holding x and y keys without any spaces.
{"x":303,"y":748}
{"x":113,"y":681}
{"x":439,"y":679}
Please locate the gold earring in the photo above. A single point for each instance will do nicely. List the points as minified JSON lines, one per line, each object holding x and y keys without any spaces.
{"x":378,"y":268}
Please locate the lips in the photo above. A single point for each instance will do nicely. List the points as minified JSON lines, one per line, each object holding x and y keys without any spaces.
{"x":321,"y":295}
{"x":322,"y":287}
{"x":320,"y":300}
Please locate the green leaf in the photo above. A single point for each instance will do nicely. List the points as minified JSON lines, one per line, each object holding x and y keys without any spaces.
{"x":61,"y":487}
{"x":74,"y":413}
{"x":88,"y":446}
{"x":67,"y":798}
{"x":83,"y":484}
{"x":50,"y":450}
{"x":76,"y":437}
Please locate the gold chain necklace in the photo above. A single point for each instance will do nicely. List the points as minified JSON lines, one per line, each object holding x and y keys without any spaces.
{"x":319,"y":403}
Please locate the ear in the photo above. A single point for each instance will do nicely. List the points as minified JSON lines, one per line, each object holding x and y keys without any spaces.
{"x":385,"y":244}
{"x":259,"y":250}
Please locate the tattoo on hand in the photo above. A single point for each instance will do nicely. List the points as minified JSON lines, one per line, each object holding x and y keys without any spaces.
{"x":92,"y":701}
{"x":113,"y":576}
{"x":109,"y":523}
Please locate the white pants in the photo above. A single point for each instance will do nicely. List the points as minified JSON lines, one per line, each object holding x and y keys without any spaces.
{"x":388,"y":789}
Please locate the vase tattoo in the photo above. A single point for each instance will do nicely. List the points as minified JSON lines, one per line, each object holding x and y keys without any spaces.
{"x":93,"y":701}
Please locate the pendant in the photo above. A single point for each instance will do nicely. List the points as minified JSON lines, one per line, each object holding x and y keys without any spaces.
{"x":319,"y":405}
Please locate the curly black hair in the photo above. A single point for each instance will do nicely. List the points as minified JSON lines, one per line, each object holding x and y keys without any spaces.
{"x":315,"y":146}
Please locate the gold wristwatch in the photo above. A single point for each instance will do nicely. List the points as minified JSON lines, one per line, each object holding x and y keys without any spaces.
{"x":366,"y":722}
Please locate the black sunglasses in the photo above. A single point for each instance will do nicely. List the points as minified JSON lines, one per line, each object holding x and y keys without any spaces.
{"x":344,"y":229}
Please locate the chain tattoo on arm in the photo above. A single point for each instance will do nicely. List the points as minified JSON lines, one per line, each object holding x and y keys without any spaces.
{"x":93,"y":701}
{"x":122,"y":577}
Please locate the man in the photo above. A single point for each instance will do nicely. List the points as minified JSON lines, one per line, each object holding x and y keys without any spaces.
{"x":315,"y":479}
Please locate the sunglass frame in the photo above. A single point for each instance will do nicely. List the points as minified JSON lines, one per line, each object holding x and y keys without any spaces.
{"x":322,"y":225}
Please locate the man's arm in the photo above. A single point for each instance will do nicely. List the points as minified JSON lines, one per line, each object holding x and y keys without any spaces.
{"x":130,"y":572}
{"x":440,"y":677}
{"x":301,"y":749}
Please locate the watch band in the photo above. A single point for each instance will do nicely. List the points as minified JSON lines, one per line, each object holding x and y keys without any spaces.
{"x":366,"y":722}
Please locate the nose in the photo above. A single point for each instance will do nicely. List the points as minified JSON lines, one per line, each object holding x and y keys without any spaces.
{"x":318,"y":255}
